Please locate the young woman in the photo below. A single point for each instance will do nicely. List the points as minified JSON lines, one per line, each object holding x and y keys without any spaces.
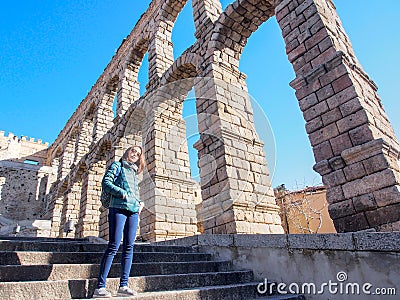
{"x":121,"y":182}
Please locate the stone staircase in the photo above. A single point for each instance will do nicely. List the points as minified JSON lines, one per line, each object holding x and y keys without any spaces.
{"x":45,"y":268}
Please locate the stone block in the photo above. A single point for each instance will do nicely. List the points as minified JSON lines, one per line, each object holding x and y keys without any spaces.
{"x":322,"y":167}
{"x":281,"y":13}
{"x":242,"y":227}
{"x":322,"y":151}
{"x":387,"y":196}
{"x":334,"y":178}
{"x":364,"y":202}
{"x":307,"y":89}
{"x":351,"y":223}
{"x":225,"y":217}
{"x":340,"y":143}
{"x":341,"y":209}
{"x":325,"y":93}
{"x":314,"y":125}
{"x":331,"y":116}
{"x":296,"y":52}
{"x":302,"y":37}
{"x":276,"y":229}
{"x":323,"y":46}
{"x":292,"y":35}
{"x":316,"y":38}
{"x":311,"y":54}
{"x":384,"y":215}
{"x":341,"y":241}
{"x":369,"y":183}
{"x":308,"y":102}
{"x":291,"y":46}
{"x":362,"y":152}
{"x":303,"y":6}
{"x":354,"y":171}
{"x":395,"y":226}
{"x":342,"y":83}
{"x":223,"y":240}
{"x":323,"y":134}
{"x":295,"y":22}
{"x":352,"y":121}
{"x":323,"y":57}
{"x":260,"y":240}
{"x":342,"y":97}
{"x":375,"y":163}
{"x":259,"y":228}
{"x":301,"y":68}
{"x":377,"y":241}
{"x":362,"y":134}
{"x":337,"y":163}
{"x":351,"y":106}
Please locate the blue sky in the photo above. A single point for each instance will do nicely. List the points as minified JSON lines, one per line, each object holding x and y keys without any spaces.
{"x":53,"y":51}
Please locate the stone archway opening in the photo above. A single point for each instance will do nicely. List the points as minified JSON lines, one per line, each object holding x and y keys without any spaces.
{"x":166,"y":188}
{"x":186,"y":37}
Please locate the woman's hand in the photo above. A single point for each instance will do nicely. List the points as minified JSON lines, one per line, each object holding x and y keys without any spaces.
{"x":141,"y":206}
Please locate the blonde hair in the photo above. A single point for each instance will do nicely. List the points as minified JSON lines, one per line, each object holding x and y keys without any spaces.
{"x":140,"y":162}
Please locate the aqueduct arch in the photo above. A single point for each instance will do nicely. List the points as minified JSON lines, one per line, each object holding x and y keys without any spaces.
{"x":354,"y":145}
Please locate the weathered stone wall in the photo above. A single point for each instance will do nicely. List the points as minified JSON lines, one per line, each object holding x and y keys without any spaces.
{"x":23,"y":184}
{"x":21,"y":197}
{"x":13,"y":148}
{"x":332,"y":263}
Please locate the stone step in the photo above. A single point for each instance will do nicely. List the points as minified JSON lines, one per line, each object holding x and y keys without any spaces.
{"x":51,"y":269}
{"x":83,"y":247}
{"x":146,"y":285}
{"x":43,"y":239}
{"x":225,"y":292}
{"x":46,"y":258}
{"x":222,"y":292}
{"x":86,"y":271}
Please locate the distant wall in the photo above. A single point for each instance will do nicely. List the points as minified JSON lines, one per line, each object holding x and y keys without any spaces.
{"x":305,"y":211}
{"x":23,"y":179}
{"x":20,"y":149}
{"x":364,"y":257}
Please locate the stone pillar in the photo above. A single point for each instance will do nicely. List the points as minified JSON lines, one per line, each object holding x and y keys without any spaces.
{"x":205,"y":12}
{"x":95,"y":218}
{"x":235,"y":185}
{"x":67,"y":159}
{"x":55,"y":209}
{"x":128,"y":90}
{"x":167,"y":188}
{"x":70,"y":210}
{"x":88,"y":222}
{"x":160,"y":54}
{"x":104,"y":115}
{"x":84,"y":139}
{"x":354,"y":144}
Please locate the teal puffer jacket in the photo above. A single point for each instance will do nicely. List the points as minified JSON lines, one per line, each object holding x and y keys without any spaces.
{"x":116,"y":183}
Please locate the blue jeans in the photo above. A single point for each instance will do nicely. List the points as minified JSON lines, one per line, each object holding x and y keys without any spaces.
{"x":121,"y":222}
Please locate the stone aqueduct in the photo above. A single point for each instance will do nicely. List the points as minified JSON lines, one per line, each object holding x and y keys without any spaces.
{"x":354,"y":145}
